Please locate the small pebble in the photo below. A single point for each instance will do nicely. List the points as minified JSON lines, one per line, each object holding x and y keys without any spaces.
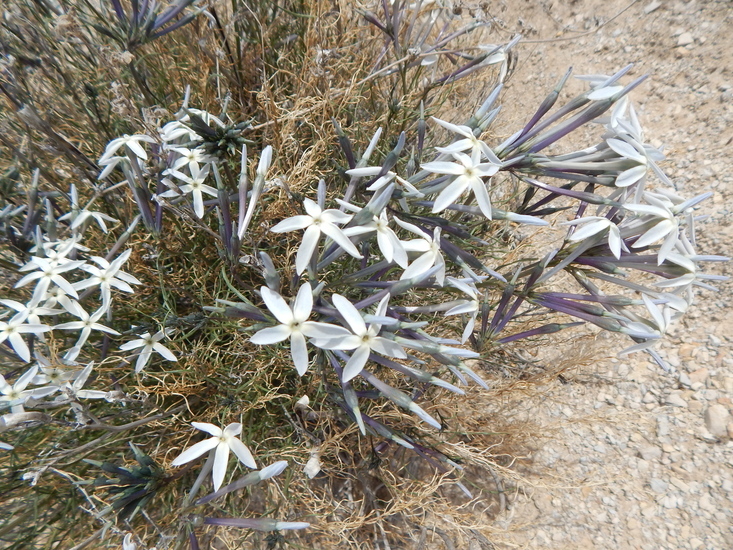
{"x":716,"y":420}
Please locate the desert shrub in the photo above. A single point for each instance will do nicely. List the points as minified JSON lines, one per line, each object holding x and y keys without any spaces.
{"x":257,"y":221}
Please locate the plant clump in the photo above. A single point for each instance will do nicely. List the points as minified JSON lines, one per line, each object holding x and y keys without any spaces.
{"x":299,"y":241}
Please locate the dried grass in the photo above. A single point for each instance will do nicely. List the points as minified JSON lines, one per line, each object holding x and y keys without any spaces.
{"x":364,"y":496}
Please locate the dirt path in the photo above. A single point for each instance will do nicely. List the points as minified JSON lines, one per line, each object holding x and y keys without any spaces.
{"x":632,"y":462}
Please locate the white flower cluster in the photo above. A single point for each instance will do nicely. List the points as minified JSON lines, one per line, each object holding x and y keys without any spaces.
{"x":64,"y":276}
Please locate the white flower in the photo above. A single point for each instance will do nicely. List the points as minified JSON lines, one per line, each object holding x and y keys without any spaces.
{"x":12,"y":331}
{"x":49,"y":272}
{"x":468,"y":306}
{"x":79,"y":217}
{"x":630,"y":152}
{"x":294,"y":325}
{"x":665,"y":226}
{"x":86,"y":324}
{"x":470,"y":141}
{"x":149,"y":344}
{"x":17,"y":394}
{"x":73,"y":390}
{"x":195,"y":185}
{"x":54,"y":252}
{"x":389,"y":244}
{"x":469,"y":172}
{"x":220,"y":444}
{"x":131,"y":142}
{"x":363,"y":340}
{"x":176,"y":129}
{"x":53,"y":375}
{"x":598,"y":224}
{"x":409,"y":189}
{"x":430,"y":256}
{"x":32,"y":310}
{"x":109,"y":165}
{"x":190,"y":158}
{"x":109,"y":276}
{"x":315,"y":222}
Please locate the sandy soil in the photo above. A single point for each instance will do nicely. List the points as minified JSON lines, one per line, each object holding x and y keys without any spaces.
{"x":632,"y":462}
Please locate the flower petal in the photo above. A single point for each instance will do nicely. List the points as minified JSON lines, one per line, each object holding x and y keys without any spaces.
{"x":292,"y":224}
{"x":277,"y":305}
{"x":271,"y":335}
{"x":242,"y":452}
{"x":341,"y":239}
{"x":630,"y":176}
{"x":350,"y":314}
{"x":450,"y":194}
{"x":314,"y":329}
{"x":387,"y":347}
{"x":482,"y":196}
{"x":444,"y":168}
{"x":356,"y":363}
{"x":299,"y":352}
{"x":660,"y":230}
{"x":303,"y":303}
{"x":208,"y":428}
{"x":307,"y":246}
{"x":196,"y":451}
{"x":221,"y":459}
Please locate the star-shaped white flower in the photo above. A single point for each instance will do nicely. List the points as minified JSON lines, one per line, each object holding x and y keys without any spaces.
{"x":196,"y":186}
{"x":74,"y":389}
{"x":431,"y":255}
{"x":294,"y":325}
{"x":87,"y":323}
{"x":470,"y":141}
{"x":363,"y":340}
{"x":409,"y":190}
{"x":49,"y":272}
{"x":390,"y":245}
{"x":149,"y":344}
{"x":315,"y":222}
{"x":220,"y":444}
{"x":16,"y":395}
{"x":108,"y":276}
{"x":469,"y":172}
{"x":598,"y":224}
{"x":12,"y":330}
{"x":190,"y":157}
{"x":131,"y":142}
{"x":630,"y":152}
{"x":468,"y":306}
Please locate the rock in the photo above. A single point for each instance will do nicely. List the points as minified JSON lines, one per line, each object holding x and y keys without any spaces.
{"x":685,"y":39}
{"x":681,"y":485}
{"x":716,"y":420}
{"x":675,"y":399}
{"x":658,"y":485}
{"x":651,"y":7}
{"x":649,"y":397}
{"x":699,"y":376}
{"x":649,"y":511}
{"x":662,"y":425}
{"x":650,"y":452}
{"x":730,"y":430}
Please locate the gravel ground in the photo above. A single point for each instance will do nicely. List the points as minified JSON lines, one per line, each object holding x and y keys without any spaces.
{"x":639,"y":458}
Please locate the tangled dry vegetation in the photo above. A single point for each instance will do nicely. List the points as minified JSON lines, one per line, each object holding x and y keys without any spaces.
{"x":315,"y":81}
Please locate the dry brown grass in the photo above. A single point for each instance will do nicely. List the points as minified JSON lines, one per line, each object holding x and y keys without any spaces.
{"x":368,"y":492}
